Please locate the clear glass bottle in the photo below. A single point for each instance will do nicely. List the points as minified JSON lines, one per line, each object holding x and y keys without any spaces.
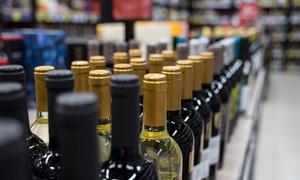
{"x":126,"y":161}
{"x":156,"y":143}
{"x":177,"y":128}
{"x":40,"y":126}
{"x":99,"y":82}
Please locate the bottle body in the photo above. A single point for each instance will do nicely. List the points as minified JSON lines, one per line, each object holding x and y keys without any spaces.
{"x":183,"y":136}
{"x":158,"y":146}
{"x":104,"y":138}
{"x":40,"y":126}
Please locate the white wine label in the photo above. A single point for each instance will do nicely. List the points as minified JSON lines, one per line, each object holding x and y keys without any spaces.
{"x":214,"y":145}
{"x":168,"y":175}
{"x":197,"y":172}
{"x":205,"y":159}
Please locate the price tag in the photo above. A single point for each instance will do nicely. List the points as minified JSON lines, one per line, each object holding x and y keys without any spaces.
{"x":214,"y":145}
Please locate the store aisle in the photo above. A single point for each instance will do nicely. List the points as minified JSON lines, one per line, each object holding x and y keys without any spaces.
{"x":278,"y":153}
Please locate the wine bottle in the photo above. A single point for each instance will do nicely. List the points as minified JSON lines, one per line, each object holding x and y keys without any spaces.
{"x":203,"y":109}
{"x":13,"y":104}
{"x":97,"y":62}
{"x":121,"y":47}
{"x":134,"y":53}
{"x":133,"y":44}
{"x":151,"y":49}
{"x":162,"y":46}
{"x":99,"y":82}
{"x":139,"y":69}
{"x":188,"y":112}
{"x":12,"y":73}
{"x":212,"y":98}
{"x":120,"y":57}
{"x":122,"y":68}
{"x":49,"y":165}
{"x":156,"y":143}
{"x":177,"y":128}
{"x":155,"y":63}
{"x":40,"y":126}
{"x":168,"y":58}
{"x":126,"y":161}
{"x":219,"y":84}
{"x":80,"y":71}
{"x":108,"y":53}
{"x":77,"y":114}
{"x":14,"y":159}
{"x":182,"y":51}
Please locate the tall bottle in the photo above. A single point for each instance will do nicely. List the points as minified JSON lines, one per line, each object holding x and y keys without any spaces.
{"x":178,"y":130}
{"x":122,"y":68}
{"x":126,"y":161}
{"x":49,"y":165}
{"x":139,"y":69}
{"x":120,"y":57}
{"x":168,"y":58}
{"x":156,"y":143}
{"x":99,"y":82}
{"x":80,"y":71}
{"x":97,"y":62}
{"x":155,"y":63}
{"x":203,"y":109}
{"x":40,"y":126}
{"x":13,"y":104}
{"x":14,"y":159}
{"x":220,"y":84}
{"x":188,"y":112}
{"x":212,"y":98}
{"x":78,"y":143}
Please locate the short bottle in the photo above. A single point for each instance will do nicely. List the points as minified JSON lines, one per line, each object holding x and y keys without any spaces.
{"x":80,"y":71}
{"x":14,"y":159}
{"x":40,"y":126}
{"x":49,"y":165}
{"x":13,"y":104}
{"x":188,"y":112}
{"x":126,"y":161}
{"x":97,"y":62}
{"x":177,"y":128}
{"x":78,"y":144}
{"x":155,"y":63}
{"x":99,"y":84}
{"x":156,"y":143}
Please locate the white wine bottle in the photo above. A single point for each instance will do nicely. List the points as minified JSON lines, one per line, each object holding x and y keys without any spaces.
{"x":99,"y":82}
{"x":40,"y":126}
{"x":156,"y":143}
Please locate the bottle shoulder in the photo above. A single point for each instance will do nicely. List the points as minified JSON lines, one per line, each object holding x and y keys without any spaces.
{"x":181,"y":133}
{"x":137,"y":170}
{"x":48,"y":166}
{"x":202,"y":107}
{"x":37,"y":146}
{"x":192,"y":118}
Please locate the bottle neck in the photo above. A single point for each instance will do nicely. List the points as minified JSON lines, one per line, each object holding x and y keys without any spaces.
{"x":125,"y":126}
{"x":174,"y":116}
{"x":53,"y":124}
{"x":104,"y":99}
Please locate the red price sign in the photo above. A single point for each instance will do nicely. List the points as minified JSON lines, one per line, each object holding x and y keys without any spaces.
{"x":248,"y":13}
{"x":131,"y":9}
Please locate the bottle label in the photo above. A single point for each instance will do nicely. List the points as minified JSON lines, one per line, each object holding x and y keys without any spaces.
{"x":208,"y":131}
{"x":201,"y":171}
{"x":191,"y":161}
{"x":205,"y":160}
{"x":169,"y":175}
{"x":214,"y":145}
{"x":202,"y":140}
{"x":218,"y":120}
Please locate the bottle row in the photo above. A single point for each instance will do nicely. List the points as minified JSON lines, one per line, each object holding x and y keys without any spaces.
{"x":164,"y":118}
